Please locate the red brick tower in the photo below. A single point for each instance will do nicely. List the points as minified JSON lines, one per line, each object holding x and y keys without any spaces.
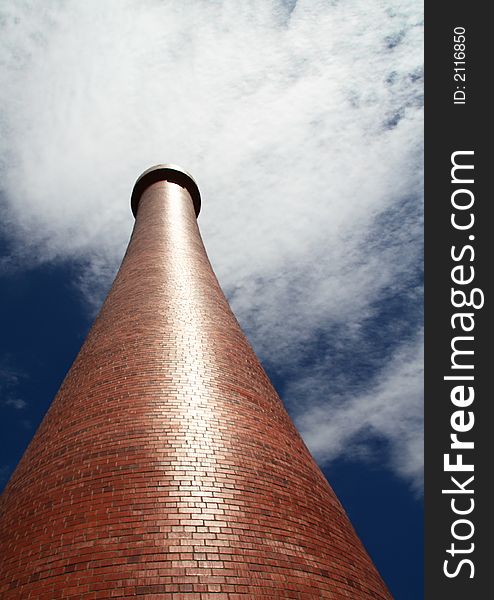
{"x":167,"y":466}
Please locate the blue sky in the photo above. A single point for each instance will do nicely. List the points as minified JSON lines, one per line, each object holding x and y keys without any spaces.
{"x":302,"y":123}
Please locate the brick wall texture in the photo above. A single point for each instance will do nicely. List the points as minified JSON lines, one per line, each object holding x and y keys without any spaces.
{"x":167,"y":466}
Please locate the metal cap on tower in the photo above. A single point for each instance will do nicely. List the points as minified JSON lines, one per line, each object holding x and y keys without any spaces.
{"x":165,"y":172}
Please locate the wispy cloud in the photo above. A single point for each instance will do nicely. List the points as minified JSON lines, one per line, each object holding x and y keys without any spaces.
{"x":390,"y":408}
{"x":9,"y":381}
{"x":302,"y":123}
{"x":16,"y":403}
{"x":8,"y":375}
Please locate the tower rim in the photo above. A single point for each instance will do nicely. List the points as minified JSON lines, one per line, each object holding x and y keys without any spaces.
{"x":165,"y":172}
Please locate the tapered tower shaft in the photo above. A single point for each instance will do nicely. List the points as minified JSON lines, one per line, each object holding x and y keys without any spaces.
{"x":167,"y":466}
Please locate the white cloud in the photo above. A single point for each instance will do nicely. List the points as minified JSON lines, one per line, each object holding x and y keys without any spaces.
{"x":8,"y":376}
{"x":391,"y":408}
{"x":302,"y":128}
{"x":9,"y":380}
{"x":16,"y":403}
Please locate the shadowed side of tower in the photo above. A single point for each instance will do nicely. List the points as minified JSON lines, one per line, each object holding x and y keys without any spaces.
{"x":167,"y":466}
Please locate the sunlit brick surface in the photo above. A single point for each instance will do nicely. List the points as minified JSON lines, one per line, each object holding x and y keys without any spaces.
{"x":167,"y":466}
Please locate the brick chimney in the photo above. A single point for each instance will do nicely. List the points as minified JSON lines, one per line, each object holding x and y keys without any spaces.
{"x":167,"y":466}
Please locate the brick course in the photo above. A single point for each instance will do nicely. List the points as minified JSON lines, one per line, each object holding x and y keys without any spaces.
{"x":167,"y":466}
